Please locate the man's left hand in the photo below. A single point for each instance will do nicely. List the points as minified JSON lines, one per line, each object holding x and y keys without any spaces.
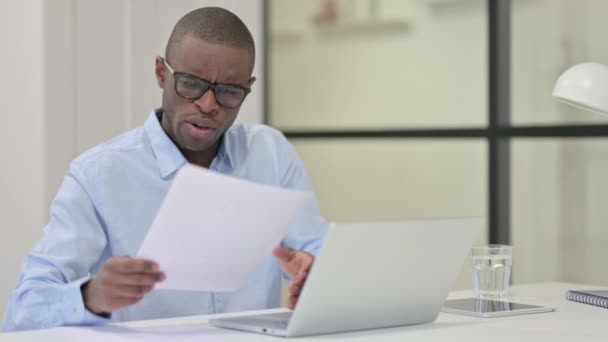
{"x":296,"y":265}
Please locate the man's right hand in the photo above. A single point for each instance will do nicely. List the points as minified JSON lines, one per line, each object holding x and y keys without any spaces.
{"x":122,"y":281}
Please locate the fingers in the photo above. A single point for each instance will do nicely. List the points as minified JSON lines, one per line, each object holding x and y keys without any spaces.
{"x":122,"y":281}
{"x":117,"y":303}
{"x":108,"y":298}
{"x":131,"y":292}
{"x":292,"y":301}
{"x":284,"y":254}
{"x":301,"y":275}
{"x":131,"y":265}
{"x":294,"y":289}
{"x":134,"y":272}
{"x":138,"y":279}
{"x":295,"y":264}
{"x":297,"y":283}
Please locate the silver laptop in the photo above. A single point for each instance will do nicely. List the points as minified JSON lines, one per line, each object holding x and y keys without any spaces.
{"x":373,"y":275}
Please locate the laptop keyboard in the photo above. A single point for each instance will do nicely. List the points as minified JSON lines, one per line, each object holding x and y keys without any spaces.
{"x":277,"y":321}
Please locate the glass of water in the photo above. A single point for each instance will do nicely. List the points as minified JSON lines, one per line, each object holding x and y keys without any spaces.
{"x":491,"y":271}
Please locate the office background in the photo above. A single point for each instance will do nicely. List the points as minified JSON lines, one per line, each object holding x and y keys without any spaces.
{"x":77,"y":72}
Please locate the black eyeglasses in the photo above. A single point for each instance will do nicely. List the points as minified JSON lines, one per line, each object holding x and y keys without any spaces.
{"x":192,"y":87}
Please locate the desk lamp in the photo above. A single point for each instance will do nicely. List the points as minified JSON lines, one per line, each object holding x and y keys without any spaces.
{"x":585,"y":86}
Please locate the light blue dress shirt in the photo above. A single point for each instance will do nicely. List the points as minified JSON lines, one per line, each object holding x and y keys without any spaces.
{"x":105,"y":205}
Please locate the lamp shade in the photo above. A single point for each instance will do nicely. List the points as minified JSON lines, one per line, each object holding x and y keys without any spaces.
{"x":584,"y":85}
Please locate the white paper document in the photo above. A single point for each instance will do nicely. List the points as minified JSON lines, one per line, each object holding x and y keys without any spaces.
{"x":213,"y":230}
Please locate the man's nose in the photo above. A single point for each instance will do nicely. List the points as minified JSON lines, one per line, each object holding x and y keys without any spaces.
{"x":207,"y":103}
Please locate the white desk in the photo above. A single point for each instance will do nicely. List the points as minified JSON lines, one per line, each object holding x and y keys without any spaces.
{"x":572,"y":322}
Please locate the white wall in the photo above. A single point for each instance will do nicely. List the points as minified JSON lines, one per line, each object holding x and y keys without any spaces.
{"x":75,"y":73}
{"x":101,"y":77}
{"x":22,"y":205}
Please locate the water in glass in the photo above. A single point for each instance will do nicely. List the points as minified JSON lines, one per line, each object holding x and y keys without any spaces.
{"x":491,"y":274}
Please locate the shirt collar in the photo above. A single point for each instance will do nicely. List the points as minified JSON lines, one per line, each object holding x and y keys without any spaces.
{"x":224,"y":156}
{"x":168,"y":157}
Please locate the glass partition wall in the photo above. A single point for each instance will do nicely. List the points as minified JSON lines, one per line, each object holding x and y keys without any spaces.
{"x":434,"y":108}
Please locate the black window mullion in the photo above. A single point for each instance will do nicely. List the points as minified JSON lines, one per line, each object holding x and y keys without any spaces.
{"x":499,"y":112}
{"x":266,"y":63}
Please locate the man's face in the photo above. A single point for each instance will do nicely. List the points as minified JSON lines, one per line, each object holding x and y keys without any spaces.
{"x":196,"y":125}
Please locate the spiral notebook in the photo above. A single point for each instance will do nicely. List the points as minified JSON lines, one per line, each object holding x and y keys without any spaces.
{"x":595,"y":297}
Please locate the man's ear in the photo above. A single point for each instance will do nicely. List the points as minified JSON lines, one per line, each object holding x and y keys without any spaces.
{"x":160,"y":71}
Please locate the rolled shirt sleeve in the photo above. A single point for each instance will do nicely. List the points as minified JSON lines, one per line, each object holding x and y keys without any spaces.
{"x":48,"y":293}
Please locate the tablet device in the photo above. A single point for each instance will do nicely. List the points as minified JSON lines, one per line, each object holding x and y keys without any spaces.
{"x":490,"y":308}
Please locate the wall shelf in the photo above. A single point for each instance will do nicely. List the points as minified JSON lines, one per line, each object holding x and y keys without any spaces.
{"x":286,"y":37}
{"x":448,"y":6}
{"x":368,"y":27}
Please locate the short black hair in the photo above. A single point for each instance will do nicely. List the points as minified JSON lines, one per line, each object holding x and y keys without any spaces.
{"x":214,"y":25}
